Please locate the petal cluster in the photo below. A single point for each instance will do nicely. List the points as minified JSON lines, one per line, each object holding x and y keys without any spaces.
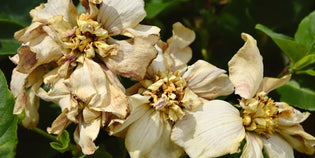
{"x":77,"y":57}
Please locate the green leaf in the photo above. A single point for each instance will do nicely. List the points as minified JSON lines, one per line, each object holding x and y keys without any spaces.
{"x":8,"y":46}
{"x":154,"y":8}
{"x":294,"y":50}
{"x":8,"y":121}
{"x":310,"y":72}
{"x":295,"y":95}
{"x":9,"y":27}
{"x":306,"y":31}
{"x":304,"y":62}
{"x":63,"y":143}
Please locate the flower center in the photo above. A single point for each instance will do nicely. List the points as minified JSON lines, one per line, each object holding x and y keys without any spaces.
{"x":260,"y":114}
{"x":87,"y":38}
{"x":166,"y":91}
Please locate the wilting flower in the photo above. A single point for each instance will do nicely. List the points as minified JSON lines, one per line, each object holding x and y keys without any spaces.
{"x":77,"y":56}
{"x":166,"y":95}
{"x":274,"y":126}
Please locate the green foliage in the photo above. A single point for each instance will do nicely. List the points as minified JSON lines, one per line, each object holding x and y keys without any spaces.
{"x":155,"y":7}
{"x":8,"y":121}
{"x":306,"y":32}
{"x":293,"y":94}
{"x":8,"y":46}
{"x":294,"y":50}
{"x":62,"y":144}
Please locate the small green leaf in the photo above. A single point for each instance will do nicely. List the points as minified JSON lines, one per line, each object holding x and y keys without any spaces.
{"x":295,"y":95}
{"x":306,"y":31}
{"x":8,"y":121}
{"x":310,"y":72}
{"x":154,"y":8}
{"x":8,"y":46}
{"x":294,"y":50}
{"x":63,"y":143}
{"x":304,"y":62}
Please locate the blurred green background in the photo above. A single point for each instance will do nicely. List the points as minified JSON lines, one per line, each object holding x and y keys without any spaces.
{"x":218,"y":25}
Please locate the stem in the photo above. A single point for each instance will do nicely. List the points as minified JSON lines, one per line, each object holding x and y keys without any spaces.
{"x":43,"y":133}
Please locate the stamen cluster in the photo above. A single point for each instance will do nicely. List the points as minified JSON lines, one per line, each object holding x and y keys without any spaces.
{"x":166,"y":91}
{"x":260,"y":114}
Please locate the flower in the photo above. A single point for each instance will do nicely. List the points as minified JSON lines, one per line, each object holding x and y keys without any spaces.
{"x":166,"y":95}
{"x":89,"y":97}
{"x":77,"y":55}
{"x":274,"y":126}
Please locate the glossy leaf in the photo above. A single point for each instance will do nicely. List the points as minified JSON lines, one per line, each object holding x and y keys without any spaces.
{"x":306,"y":31}
{"x":294,"y":50}
{"x":305,"y":61}
{"x":295,"y":95}
{"x":8,"y":121}
{"x":154,"y":8}
{"x":8,"y":27}
{"x":63,"y":143}
{"x":8,"y":46}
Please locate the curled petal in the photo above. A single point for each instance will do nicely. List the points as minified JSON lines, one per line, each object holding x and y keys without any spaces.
{"x":45,"y":51}
{"x":213,"y":130}
{"x":150,"y":137}
{"x":60,"y":123}
{"x":207,"y":81}
{"x":298,"y":138}
{"x":179,"y":49}
{"x":55,"y":7}
{"x":116,"y":15}
{"x":141,"y":30}
{"x":92,"y":86}
{"x":59,"y":93}
{"x":246,"y":68}
{"x":277,"y":147}
{"x":268,"y":84}
{"x":253,"y":147}
{"x":87,"y":134}
{"x":138,"y":107}
{"x":31,"y":110}
{"x":133,"y":59}
{"x":289,"y":116}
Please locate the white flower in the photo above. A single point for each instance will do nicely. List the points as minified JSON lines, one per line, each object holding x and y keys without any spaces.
{"x":274,"y":126}
{"x":168,"y":93}
{"x":77,"y":55}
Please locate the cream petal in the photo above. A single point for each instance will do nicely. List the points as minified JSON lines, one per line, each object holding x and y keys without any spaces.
{"x":59,"y":93}
{"x":36,"y":54}
{"x":15,"y":59}
{"x":159,"y":64}
{"x":215,"y":129}
{"x":298,"y":138}
{"x":17,"y":82}
{"x":55,"y":7}
{"x":30,"y":33}
{"x":289,"y":116}
{"x":179,"y":49}
{"x":207,"y":81}
{"x":277,"y":147}
{"x":31,"y":110}
{"x":150,"y":137}
{"x":117,"y":15}
{"x":88,"y":83}
{"x":246,"y":68}
{"x":268,"y":84}
{"x":87,"y":134}
{"x":141,"y":30}
{"x":138,"y":105}
{"x":253,"y":147}
{"x":133,"y":59}
{"x":59,"y":124}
